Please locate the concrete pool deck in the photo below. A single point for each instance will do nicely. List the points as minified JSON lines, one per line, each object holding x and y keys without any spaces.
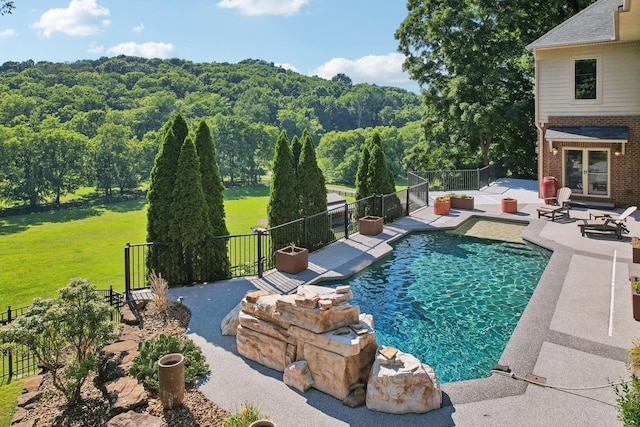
{"x":574,"y":332}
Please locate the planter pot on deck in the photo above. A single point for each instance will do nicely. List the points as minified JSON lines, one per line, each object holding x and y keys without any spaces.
{"x":442,"y":206}
{"x":462,"y":203}
{"x":370,"y":225}
{"x":171,"y":380}
{"x":509,"y":205}
{"x":635,"y":249}
{"x":635,"y":301}
{"x":292,"y":259}
{"x":262,"y":423}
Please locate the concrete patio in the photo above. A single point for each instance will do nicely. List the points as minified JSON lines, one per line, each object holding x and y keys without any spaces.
{"x":574,"y":332}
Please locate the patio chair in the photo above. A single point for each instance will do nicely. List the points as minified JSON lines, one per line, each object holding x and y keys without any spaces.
{"x":561,"y":207}
{"x":607,"y":225}
{"x":596,"y":214}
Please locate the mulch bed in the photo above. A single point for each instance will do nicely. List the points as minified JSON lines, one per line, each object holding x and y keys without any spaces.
{"x":196,"y":410}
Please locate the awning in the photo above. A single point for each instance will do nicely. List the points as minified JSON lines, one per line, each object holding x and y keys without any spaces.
{"x":599,"y":134}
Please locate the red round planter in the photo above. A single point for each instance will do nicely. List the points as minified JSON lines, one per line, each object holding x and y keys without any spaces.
{"x":442,"y":207}
{"x":549,"y":188}
{"x":509,"y":205}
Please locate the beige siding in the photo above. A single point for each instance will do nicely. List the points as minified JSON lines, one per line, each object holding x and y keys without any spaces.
{"x":620,"y":90}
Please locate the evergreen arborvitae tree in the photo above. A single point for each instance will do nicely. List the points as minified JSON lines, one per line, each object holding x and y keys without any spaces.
{"x":362,"y":191}
{"x":180,"y":128}
{"x":380,"y":181}
{"x":217,"y":265}
{"x":162,"y":256}
{"x":283,"y":202}
{"x":311,"y":188}
{"x":190,"y":223}
{"x":296,"y":149}
{"x":312,"y":194}
{"x":282,"y":206}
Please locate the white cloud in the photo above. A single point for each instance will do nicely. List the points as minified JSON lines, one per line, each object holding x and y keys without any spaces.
{"x":145,"y":50}
{"x":95,"y":48}
{"x":138,"y":28}
{"x":383,"y":70}
{"x":80,"y":18}
{"x":288,"y":67}
{"x":8,"y":33}
{"x":264,"y":7}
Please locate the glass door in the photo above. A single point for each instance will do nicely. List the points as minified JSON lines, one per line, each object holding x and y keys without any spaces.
{"x":587,"y":171}
{"x":573,"y":170}
{"x":598,"y":173}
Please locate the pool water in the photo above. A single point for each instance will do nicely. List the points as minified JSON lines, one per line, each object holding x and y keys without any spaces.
{"x":449,"y":298}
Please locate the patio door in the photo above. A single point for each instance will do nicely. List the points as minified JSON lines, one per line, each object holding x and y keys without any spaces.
{"x":586,"y":171}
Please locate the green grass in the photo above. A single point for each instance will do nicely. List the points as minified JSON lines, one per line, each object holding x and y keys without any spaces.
{"x":9,"y":392}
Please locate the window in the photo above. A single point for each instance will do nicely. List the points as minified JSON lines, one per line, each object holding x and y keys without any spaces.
{"x":586,"y":78}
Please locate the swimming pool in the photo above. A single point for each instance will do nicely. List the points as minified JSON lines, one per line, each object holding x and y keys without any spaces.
{"x":449,"y":298}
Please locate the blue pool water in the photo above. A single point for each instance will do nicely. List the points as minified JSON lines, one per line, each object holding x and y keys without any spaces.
{"x":451,"y":300}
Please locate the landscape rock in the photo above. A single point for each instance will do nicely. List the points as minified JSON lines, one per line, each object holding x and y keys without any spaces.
{"x":32,"y":384}
{"x":298,"y":376}
{"x":128,"y":317}
{"x":117,"y":358}
{"x":134,"y":419}
{"x":125,"y":394}
{"x":402,"y":385}
{"x":333,"y":373}
{"x":30,"y":423}
{"x":230,"y":322}
{"x":18,"y":415}
{"x":252,"y":322}
{"x":316,"y":320}
{"x":348,"y":343}
{"x":26,"y":398}
{"x":261,"y":348}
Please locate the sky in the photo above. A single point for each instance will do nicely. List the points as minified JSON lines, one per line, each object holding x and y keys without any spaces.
{"x":312,"y":37}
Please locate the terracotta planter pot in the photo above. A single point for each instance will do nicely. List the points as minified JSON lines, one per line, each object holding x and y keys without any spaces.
{"x":171,"y":380}
{"x":292,"y":260}
{"x":509,"y":205}
{"x":635,"y":301}
{"x":442,"y":207}
{"x":262,"y":423}
{"x":462,"y":203}
{"x":635,"y":249}
{"x":370,"y":225}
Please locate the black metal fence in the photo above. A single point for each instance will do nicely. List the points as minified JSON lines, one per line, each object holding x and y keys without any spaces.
{"x":464,"y":179}
{"x":19,"y":361}
{"x":252,"y":254}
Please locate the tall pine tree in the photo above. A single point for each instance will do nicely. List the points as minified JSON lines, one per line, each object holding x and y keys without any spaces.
{"x":362,"y":191}
{"x":190,"y":223}
{"x":215,"y":250}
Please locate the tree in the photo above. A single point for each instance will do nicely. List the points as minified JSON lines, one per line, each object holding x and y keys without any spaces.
{"x":77,"y":320}
{"x":112,"y":157}
{"x":296,"y":149}
{"x":470,"y":57}
{"x":6,"y":7}
{"x":283,"y":203}
{"x":162,"y":255}
{"x":189,"y":224}
{"x":312,"y":194}
{"x":217,"y":261}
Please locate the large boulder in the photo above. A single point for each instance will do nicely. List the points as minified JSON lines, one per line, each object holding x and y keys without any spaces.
{"x":399,"y":384}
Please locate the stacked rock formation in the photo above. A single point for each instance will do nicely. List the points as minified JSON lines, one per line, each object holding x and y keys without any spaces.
{"x":317,"y":325}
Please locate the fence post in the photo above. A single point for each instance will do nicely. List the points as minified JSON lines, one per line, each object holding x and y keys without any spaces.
{"x":259,"y":233}
{"x":346,"y":219}
{"x":127,"y":271}
{"x":304,"y":232}
{"x":478,"y":178}
{"x":406,"y":211}
{"x":10,"y":356}
{"x":111,"y":301}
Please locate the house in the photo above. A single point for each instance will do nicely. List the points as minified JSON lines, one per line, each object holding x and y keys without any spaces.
{"x":587,"y":103}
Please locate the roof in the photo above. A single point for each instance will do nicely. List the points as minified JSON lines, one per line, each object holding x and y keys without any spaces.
{"x":333,"y":198}
{"x":582,"y":133}
{"x":593,"y":24}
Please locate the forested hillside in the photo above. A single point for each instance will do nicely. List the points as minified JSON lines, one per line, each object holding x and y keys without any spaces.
{"x":65,"y":125}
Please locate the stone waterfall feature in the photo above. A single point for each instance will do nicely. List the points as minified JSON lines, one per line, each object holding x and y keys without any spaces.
{"x":317,"y":339}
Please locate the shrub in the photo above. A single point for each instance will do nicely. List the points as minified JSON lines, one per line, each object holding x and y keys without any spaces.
{"x":145,"y":367}
{"x":247,"y":414}
{"x":628,"y":399}
{"x":159,"y":288}
{"x":78,"y":320}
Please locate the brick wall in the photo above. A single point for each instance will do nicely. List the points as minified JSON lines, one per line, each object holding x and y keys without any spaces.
{"x":624,"y":169}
